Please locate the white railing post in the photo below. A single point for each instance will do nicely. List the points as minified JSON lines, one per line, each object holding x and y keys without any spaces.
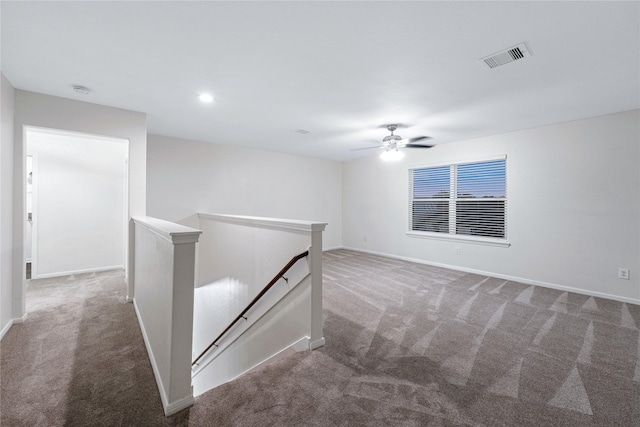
{"x":315,"y":267}
{"x":163,"y":299}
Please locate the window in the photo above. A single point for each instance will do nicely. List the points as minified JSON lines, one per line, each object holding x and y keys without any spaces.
{"x":466,"y":199}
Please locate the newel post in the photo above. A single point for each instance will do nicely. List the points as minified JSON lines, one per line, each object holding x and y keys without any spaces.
{"x":163,"y":273}
{"x":315,"y":267}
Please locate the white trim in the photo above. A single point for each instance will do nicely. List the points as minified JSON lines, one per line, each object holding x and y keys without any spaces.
{"x":6,"y":329}
{"x":277,"y":223}
{"x":10,"y":323}
{"x":125,"y":214}
{"x":460,"y":238}
{"x":170,"y":231}
{"x":178,"y":405}
{"x":34,"y":214}
{"x":301,"y":345}
{"x":20,"y":319}
{"x":503,"y":276}
{"x":169,"y":407}
{"x":460,"y":162}
{"x":84,"y":271}
{"x":64,"y":132}
{"x":334,"y":248}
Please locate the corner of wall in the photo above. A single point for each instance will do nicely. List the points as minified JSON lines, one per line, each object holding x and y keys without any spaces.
{"x":7,"y":95}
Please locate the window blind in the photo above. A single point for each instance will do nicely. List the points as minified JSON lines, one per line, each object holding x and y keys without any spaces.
{"x":460,"y":199}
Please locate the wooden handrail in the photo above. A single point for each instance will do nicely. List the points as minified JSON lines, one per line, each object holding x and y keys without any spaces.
{"x":252,"y":303}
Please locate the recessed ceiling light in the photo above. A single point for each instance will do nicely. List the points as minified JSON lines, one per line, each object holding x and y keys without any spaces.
{"x":81,"y":90}
{"x":205,"y":97}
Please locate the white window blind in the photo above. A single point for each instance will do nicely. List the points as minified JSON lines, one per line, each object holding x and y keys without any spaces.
{"x":460,"y":199}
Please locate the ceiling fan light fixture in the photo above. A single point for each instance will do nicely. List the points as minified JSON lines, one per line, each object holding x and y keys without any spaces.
{"x":391,"y":155}
{"x":392,"y":143}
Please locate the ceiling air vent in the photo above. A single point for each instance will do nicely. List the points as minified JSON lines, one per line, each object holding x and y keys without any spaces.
{"x":505,"y":56}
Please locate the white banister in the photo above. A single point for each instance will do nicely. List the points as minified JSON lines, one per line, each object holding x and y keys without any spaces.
{"x":162,"y":289}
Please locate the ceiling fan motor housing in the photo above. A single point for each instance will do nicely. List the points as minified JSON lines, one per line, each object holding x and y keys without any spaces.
{"x":392,"y":138}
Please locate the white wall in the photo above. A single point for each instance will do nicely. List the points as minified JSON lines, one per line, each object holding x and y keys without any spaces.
{"x":251,"y":252}
{"x":7,"y":93}
{"x":80,"y":191}
{"x":185,"y":177}
{"x":37,"y":110}
{"x":573,"y":206}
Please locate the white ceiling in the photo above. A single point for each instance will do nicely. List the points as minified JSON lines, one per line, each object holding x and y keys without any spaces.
{"x":337,"y":69}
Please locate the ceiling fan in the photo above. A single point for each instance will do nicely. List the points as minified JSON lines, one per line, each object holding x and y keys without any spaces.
{"x":391,"y":144}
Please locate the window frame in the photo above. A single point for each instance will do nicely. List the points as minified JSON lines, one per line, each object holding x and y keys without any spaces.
{"x":482,"y":240}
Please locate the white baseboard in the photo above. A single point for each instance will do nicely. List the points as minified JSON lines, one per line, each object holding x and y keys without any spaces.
{"x":10,"y":323}
{"x":301,"y":345}
{"x":69,"y":273}
{"x":502,"y":276}
{"x":170,"y":408}
{"x":178,"y":405}
{"x":6,"y":329}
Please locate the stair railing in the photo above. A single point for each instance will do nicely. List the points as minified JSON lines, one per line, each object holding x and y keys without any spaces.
{"x":253,"y":302}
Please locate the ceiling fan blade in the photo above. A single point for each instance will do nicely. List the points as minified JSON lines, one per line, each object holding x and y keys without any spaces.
{"x":418,"y":146}
{"x":418,"y":138}
{"x":366,"y":148}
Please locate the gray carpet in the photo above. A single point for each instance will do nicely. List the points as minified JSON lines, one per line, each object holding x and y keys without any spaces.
{"x":407,"y":344}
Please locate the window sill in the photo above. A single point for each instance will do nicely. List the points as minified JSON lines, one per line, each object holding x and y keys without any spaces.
{"x":502,"y":243}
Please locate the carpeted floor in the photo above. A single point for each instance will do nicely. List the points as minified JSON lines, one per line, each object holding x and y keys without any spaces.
{"x":407,"y":344}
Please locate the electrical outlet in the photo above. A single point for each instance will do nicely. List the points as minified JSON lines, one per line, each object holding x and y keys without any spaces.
{"x":623,"y":273}
{"x":458,"y":251}
{"x":365,"y":238}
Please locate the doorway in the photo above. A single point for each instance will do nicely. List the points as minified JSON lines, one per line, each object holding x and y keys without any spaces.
{"x":77,"y":208}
